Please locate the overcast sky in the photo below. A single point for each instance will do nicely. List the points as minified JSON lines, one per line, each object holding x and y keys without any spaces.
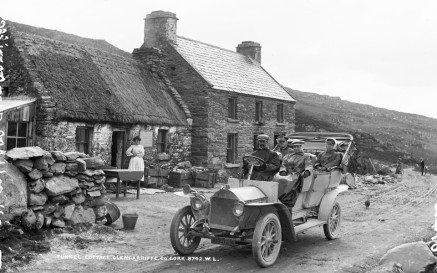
{"x":377,"y":52}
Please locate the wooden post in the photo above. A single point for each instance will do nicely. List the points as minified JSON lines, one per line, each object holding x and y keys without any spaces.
{"x":373,"y":166}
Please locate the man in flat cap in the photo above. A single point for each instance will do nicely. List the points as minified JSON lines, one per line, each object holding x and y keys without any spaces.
{"x":329,"y":158}
{"x":271,"y":159}
{"x":297,"y":164}
{"x":282,"y":146}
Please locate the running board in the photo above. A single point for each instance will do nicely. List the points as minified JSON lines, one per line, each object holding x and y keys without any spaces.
{"x":309,"y":224}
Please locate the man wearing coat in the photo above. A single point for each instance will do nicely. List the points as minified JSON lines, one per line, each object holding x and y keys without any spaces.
{"x":329,"y":158}
{"x":294,"y":169}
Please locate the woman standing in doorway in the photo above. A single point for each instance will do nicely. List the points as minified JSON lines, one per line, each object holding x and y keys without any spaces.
{"x":136,"y":153}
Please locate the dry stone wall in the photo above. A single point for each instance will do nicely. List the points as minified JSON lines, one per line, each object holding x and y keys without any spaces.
{"x":62,"y":188}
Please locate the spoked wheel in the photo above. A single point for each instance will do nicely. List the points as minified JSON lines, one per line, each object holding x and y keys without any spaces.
{"x":267,"y":239}
{"x":181,"y":239}
{"x":332,"y":228}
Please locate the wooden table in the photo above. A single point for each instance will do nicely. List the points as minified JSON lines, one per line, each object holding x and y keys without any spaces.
{"x":125,"y":175}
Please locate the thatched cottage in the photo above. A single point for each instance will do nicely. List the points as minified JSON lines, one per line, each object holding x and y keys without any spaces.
{"x":91,"y":97}
{"x":231,"y":96}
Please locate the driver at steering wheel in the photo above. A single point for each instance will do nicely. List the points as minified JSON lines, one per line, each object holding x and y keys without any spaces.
{"x":267,"y":171}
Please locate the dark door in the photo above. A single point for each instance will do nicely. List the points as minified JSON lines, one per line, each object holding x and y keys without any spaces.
{"x":117,"y":149}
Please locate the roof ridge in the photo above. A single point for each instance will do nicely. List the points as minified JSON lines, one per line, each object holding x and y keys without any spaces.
{"x":66,"y":38}
{"x":210,"y":45}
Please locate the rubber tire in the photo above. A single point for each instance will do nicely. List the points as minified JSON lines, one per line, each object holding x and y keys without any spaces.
{"x":333,"y":234}
{"x":174,"y":232}
{"x":257,"y":235}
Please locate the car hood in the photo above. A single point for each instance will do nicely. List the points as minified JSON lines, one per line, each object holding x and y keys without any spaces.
{"x":246,"y":195}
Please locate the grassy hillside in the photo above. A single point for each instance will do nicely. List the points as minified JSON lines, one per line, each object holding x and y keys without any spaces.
{"x":379,"y":133}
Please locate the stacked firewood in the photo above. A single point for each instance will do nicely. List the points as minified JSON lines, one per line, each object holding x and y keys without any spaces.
{"x":62,"y":189}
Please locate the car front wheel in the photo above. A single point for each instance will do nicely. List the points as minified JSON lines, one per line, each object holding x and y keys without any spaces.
{"x":332,"y":227}
{"x":267,"y":239}
{"x":181,"y":239}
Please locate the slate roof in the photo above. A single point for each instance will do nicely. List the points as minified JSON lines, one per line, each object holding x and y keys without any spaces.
{"x":230,"y":71}
{"x":90,"y":84}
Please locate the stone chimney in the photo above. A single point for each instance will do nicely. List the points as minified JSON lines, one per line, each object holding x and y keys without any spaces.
{"x":159,"y":26}
{"x":250,"y":49}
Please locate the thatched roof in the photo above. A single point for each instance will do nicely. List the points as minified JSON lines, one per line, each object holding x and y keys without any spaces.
{"x":91,"y":84}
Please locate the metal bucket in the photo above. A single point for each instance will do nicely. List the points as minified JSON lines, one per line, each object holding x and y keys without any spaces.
{"x":113,"y":213}
{"x":129,"y":220}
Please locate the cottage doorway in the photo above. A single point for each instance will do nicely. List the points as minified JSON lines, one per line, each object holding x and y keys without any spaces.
{"x":117,"y":149}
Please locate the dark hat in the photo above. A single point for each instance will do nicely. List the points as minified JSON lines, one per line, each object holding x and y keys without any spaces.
{"x":137,"y":137}
{"x":262,"y":137}
{"x":332,"y":140}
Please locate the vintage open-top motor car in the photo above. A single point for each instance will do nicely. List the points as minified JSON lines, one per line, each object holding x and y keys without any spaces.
{"x":249,"y":212}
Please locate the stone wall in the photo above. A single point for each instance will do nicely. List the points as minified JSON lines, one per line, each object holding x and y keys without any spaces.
{"x":193,"y":90}
{"x":62,"y":188}
{"x":61,"y":136}
{"x":244,"y":126}
{"x":178,"y":143}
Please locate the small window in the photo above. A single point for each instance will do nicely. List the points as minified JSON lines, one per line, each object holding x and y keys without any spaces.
{"x":232,"y":149}
{"x":254,"y":140}
{"x":4,"y":91}
{"x":83,"y":139}
{"x":259,"y":111}
{"x":161,"y":142}
{"x":232,"y":108}
{"x":280,"y":113}
{"x":17,"y":135}
{"x":276,"y":135}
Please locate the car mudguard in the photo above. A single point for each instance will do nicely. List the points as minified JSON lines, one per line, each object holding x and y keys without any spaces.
{"x":328,"y":201}
{"x":286,"y":222}
{"x":258,"y":209}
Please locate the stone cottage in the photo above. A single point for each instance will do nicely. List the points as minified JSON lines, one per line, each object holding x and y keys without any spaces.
{"x":91,"y":97}
{"x":232,"y":98}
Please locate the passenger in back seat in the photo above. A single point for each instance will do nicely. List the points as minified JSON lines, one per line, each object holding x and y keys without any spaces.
{"x":329,"y":158}
{"x":299,"y":163}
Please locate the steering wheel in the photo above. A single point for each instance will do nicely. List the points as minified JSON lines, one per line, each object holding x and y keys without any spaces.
{"x":253,"y":160}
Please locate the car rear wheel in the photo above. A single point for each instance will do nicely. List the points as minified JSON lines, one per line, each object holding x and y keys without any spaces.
{"x":181,"y":240}
{"x":332,"y":227}
{"x":267,"y":239}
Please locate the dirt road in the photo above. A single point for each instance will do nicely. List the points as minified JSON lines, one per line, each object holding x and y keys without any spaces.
{"x":400,"y":212}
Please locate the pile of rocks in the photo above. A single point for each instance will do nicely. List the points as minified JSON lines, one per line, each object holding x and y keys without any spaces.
{"x":376,"y":179}
{"x":62,"y":188}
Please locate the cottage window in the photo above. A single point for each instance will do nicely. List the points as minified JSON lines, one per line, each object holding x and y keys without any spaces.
{"x":17,"y":135}
{"x":255,"y":146}
{"x":280,"y":113}
{"x":231,"y":156}
{"x":83,"y":139}
{"x":258,"y":111}
{"x":162,"y":141}
{"x":232,"y":108}
{"x":276,"y":135}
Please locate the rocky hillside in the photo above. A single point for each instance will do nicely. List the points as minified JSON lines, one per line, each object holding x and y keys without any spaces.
{"x":380,"y":134}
